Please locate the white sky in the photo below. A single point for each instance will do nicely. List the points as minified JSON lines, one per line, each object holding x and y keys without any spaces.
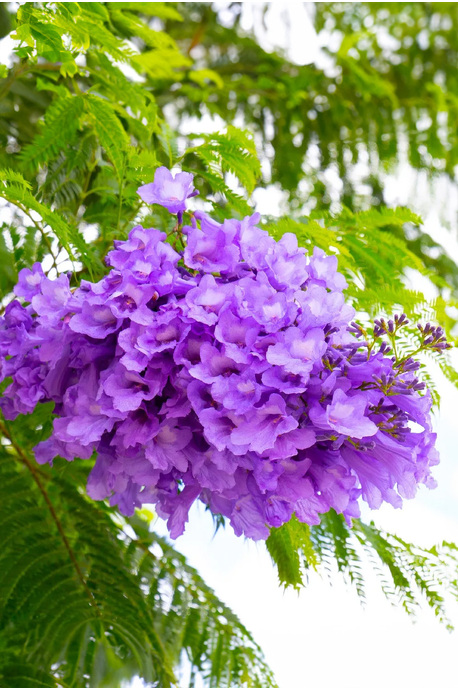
{"x":321,"y":638}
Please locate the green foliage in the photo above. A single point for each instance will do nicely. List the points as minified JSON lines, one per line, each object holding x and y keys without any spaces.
{"x":109,"y":131}
{"x":217,"y":645}
{"x":409,"y":576}
{"x":389,"y":66}
{"x":286,"y":545}
{"x":59,"y":129}
{"x":90,"y":600}
{"x":364,"y":246}
{"x":232,"y":152}
{"x":384,"y":93}
{"x":221,"y":153}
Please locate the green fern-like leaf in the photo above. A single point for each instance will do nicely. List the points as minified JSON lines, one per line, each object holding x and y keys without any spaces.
{"x":83,"y":601}
{"x":59,"y":130}
{"x":408,"y":575}
{"x":109,"y":130}
{"x":233,"y":151}
{"x":286,"y":545}
{"x":69,"y":238}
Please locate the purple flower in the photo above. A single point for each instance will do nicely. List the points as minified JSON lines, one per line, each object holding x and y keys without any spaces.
{"x":16,"y":327}
{"x":259,"y":300}
{"x":297,"y":352}
{"x":260,"y":431}
{"x":26,"y":390}
{"x":346,"y":415}
{"x":95,"y":320}
{"x":217,"y":429}
{"x":168,"y":190}
{"x":101,"y":481}
{"x":213,"y":365}
{"x":211,"y":248}
{"x":164,"y":332}
{"x":139,"y":427}
{"x":204,"y":301}
{"x":132,"y":302}
{"x":164,"y":450}
{"x":318,"y":307}
{"x":177,"y":509}
{"x":142,"y":253}
{"x":128,"y":389}
{"x":255,"y":244}
{"x":231,"y":329}
{"x":248,"y":517}
{"x":287,"y":264}
{"x":287,"y":445}
{"x":52,"y":300}
{"x":29,"y":282}
{"x":236,"y":392}
{"x":374,"y":478}
{"x":323,"y":268}
{"x":209,"y":476}
{"x":228,"y":373}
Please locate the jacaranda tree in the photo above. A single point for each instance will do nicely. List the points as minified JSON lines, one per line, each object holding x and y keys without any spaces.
{"x":161,"y":344}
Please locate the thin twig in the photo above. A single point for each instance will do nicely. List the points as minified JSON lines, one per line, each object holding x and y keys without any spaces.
{"x":20,"y":70}
{"x":121,"y":190}
{"x":42,"y":232}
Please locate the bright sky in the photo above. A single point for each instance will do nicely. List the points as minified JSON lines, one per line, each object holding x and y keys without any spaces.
{"x":321,"y":638}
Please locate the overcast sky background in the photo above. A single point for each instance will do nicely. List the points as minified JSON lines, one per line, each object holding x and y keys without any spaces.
{"x":321,"y":638}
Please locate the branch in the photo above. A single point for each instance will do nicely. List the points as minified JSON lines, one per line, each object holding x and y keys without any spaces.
{"x":36,"y":476}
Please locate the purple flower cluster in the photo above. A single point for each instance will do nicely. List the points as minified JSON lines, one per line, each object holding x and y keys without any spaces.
{"x":225,"y":372}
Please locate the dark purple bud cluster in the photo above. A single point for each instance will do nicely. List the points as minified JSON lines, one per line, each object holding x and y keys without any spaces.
{"x":391,"y":327}
{"x":433,"y":338}
{"x":224,"y":373}
{"x":357,"y":330}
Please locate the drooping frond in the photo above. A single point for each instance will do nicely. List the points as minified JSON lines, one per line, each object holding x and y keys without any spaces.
{"x":409,"y":575}
{"x":90,"y":605}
